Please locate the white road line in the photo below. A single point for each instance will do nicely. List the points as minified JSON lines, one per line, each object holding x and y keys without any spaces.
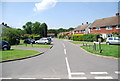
{"x":78,"y":78}
{"x":68,"y":68}
{"x":5,"y":78}
{"x":65,"y":51}
{"x":98,"y":73}
{"x":80,"y":73}
{"x":51,"y":78}
{"x":117,"y":72}
{"x":27,"y":78}
{"x":103,"y":77}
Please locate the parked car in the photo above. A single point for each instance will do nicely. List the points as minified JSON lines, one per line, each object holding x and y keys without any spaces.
{"x":4,"y":45}
{"x":43,"y":41}
{"x":29,"y":41}
{"x":113,"y":40}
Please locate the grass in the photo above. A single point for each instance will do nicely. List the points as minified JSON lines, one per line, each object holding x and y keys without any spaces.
{"x":34,"y":45}
{"x":79,"y":42}
{"x":21,"y":41}
{"x":16,"y":54}
{"x":107,"y":50}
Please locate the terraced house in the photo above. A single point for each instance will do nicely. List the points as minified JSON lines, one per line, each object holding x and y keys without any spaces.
{"x":106,"y":26}
{"x":82,"y":29}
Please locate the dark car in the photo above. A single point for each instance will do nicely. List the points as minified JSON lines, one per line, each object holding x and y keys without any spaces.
{"x":4,"y":45}
{"x":29,"y":41}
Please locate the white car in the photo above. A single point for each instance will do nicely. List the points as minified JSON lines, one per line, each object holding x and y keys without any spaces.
{"x":43,"y":41}
{"x":113,"y":40}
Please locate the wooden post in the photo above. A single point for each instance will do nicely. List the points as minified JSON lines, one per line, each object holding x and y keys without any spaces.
{"x":100,"y":50}
{"x":94,"y":46}
{"x":83,"y":43}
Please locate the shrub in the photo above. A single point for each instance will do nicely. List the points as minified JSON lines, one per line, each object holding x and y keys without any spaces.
{"x":85,"y":37}
{"x":78,"y":37}
{"x":36,"y":37}
{"x":61,"y":36}
{"x":10,"y":35}
{"x":90,"y":37}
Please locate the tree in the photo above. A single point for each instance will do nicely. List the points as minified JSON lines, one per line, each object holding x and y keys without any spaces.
{"x":28,"y":27}
{"x":44,"y":29}
{"x":36,"y":28}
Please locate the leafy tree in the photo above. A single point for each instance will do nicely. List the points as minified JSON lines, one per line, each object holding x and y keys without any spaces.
{"x":28,"y":27}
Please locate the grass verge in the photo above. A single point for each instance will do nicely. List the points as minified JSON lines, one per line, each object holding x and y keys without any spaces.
{"x":34,"y":45}
{"x":79,"y":42}
{"x":16,"y":54}
{"x":107,"y":50}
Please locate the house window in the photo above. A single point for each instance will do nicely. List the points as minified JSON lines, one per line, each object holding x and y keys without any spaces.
{"x":109,"y":28}
{"x":118,"y":27}
{"x":98,"y":28}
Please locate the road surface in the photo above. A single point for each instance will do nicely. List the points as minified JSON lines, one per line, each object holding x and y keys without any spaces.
{"x":63,"y":61}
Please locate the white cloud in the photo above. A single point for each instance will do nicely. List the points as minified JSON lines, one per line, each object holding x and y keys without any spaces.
{"x":44,"y":5}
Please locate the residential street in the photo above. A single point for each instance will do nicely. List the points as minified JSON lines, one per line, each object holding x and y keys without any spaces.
{"x":63,"y":61}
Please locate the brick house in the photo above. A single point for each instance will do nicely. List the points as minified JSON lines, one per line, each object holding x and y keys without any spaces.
{"x":106,"y":26}
{"x":81,"y":29}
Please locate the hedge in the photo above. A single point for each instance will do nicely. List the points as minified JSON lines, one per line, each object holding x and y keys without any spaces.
{"x":77,"y":37}
{"x":85,"y":37}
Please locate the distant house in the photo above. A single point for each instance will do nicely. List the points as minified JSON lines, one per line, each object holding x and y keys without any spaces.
{"x":106,"y":26}
{"x":82,"y":29}
{"x":51,"y":34}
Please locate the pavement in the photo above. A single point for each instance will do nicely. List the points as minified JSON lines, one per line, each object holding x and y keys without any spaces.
{"x":63,"y":61}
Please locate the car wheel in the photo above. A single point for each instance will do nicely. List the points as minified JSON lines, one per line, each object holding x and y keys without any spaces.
{"x":45,"y":43}
{"x":108,"y":43}
{"x":5,"y":48}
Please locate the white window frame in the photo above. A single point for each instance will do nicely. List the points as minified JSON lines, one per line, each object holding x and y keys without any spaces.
{"x":98,"y":28}
{"x":118,"y":27}
{"x":108,"y":27}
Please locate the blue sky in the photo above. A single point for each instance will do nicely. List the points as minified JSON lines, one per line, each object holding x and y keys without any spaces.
{"x":57,"y":14}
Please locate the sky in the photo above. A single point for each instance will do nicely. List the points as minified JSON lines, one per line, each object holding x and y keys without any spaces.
{"x":56,"y":14}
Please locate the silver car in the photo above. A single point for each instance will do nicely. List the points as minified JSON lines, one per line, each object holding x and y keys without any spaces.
{"x":113,"y":40}
{"x":43,"y":41}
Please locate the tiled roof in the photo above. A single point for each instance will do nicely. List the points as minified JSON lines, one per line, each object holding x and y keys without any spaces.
{"x":110,"y":21}
{"x":82,"y":27}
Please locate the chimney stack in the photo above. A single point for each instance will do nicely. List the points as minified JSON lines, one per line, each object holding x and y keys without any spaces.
{"x":86,"y":22}
{"x":82,"y":23}
{"x":117,"y":14}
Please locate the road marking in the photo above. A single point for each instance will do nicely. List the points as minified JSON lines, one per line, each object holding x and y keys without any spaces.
{"x":98,"y":73}
{"x":26,"y":78}
{"x":80,"y":73}
{"x":68,"y":68}
{"x":117,"y":72}
{"x":104,"y":77}
{"x":78,"y":78}
{"x":65,"y":51}
{"x":5,"y":78}
{"x":51,"y":78}
{"x":63,"y":45}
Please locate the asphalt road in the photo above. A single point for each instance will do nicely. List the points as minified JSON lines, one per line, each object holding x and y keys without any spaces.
{"x":63,"y":61}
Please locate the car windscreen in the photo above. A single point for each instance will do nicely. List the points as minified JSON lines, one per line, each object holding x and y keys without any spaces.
{"x":117,"y":38}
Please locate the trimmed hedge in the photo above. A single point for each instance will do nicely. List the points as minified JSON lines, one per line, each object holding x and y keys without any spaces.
{"x":85,"y":37}
{"x":77,"y":37}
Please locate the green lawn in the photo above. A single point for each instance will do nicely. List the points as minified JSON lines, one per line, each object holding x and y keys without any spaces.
{"x":79,"y":42}
{"x":34,"y":45}
{"x":21,"y":41}
{"x":16,"y":54}
{"x":108,"y":50}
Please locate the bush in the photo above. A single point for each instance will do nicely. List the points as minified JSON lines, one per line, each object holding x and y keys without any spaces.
{"x":85,"y":37}
{"x":36,"y":37}
{"x":77,"y":37}
{"x":61,"y":36}
{"x":10,"y":35}
{"x":90,"y":37}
